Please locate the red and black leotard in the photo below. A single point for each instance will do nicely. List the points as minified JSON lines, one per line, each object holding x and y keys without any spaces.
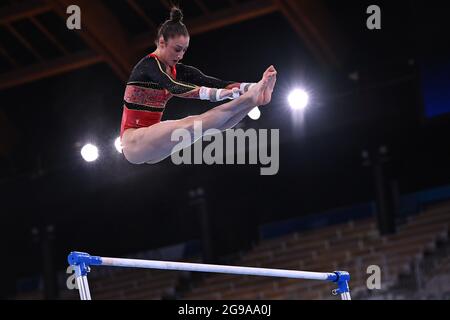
{"x":150,"y":87}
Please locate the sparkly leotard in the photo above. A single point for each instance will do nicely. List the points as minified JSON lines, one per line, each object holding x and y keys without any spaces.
{"x":150,"y":87}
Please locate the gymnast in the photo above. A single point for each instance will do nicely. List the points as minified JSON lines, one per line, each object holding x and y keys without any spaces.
{"x":159,"y":76}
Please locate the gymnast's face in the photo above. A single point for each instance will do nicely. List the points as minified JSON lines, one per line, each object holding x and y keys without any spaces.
{"x":173,"y":49}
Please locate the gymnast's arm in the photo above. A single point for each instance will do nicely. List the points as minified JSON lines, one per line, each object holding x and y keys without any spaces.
{"x":150,"y":69}
{"x":194,"y":75}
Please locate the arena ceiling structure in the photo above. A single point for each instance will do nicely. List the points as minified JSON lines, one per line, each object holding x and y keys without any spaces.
{"x":38,"y":45}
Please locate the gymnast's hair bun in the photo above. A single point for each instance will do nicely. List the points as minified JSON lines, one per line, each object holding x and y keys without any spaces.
{"x":176,"y":15}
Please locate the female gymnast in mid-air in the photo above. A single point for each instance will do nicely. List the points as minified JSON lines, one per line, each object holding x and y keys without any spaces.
{"x":159,"y":76}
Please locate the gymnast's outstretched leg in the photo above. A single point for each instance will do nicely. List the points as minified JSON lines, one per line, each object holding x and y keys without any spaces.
{"x":153,"y":144}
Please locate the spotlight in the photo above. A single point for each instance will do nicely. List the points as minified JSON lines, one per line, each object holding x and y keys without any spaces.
{"x":255,"y":113}
{"x":118,"y":145}
{"x":89,"y":152}
{"x":298,"y":99}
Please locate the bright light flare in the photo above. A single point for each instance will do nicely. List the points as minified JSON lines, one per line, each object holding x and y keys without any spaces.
{"x":298,"y":99}
{"x":89,"y":152}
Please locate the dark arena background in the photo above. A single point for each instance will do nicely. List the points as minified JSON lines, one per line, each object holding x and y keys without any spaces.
{"x":363,"y":177}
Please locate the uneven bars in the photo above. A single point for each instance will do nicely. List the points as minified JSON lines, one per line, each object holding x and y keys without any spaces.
{"x":82,"y":262}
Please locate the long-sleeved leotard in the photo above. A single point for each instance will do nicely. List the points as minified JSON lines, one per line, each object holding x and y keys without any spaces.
{"x":150,"y":87}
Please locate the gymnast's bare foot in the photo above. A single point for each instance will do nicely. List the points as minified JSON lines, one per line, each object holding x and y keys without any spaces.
{"x":272,"y":74}
{"x":261,"y":93}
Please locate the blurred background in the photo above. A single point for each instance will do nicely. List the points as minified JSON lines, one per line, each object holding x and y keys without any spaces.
{"x":364,"y":174}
